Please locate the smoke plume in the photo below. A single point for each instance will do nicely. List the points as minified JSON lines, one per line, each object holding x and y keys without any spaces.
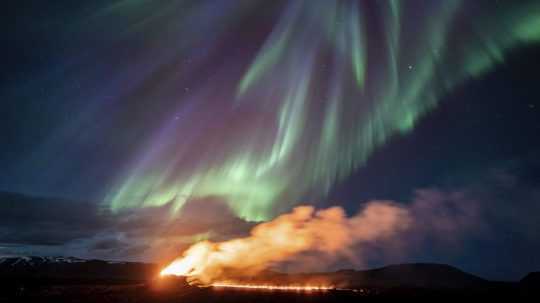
{"x":328,"y":231}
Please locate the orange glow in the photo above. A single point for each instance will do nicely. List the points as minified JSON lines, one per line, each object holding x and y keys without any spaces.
{"x":301,"y":288}
{"x":188,"y":265}
{"x":328,"y":231}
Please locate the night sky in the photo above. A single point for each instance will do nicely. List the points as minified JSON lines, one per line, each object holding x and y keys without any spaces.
{"x":133,"y":128}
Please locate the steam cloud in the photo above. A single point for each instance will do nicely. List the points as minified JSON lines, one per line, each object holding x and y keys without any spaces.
{"x":328,"y":231}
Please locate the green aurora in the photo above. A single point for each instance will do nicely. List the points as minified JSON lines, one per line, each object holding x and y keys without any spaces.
{"x":321,"y":87}
{"x":329,"y":120}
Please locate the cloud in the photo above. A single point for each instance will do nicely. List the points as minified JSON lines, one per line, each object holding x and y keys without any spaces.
{"x":46,"y":221}
{"x":109,"y":244}
{"x":197,"y":216}
{"x":59,"y":226}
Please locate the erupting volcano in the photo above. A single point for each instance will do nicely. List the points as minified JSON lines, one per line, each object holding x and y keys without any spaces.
{"x":329,"y":233}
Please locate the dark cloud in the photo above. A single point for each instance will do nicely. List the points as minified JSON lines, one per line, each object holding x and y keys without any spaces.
{"x":108,"y":244}
{"x":197,"y":216}
{"x":47,"y":221}
{"x":60,"y":226}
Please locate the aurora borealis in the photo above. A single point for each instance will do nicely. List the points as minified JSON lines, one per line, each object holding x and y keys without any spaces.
{"x":141,"y":104}
{"x":330,"y":83}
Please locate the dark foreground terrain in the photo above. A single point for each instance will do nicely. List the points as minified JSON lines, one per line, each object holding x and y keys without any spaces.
{"x":34,"y":279}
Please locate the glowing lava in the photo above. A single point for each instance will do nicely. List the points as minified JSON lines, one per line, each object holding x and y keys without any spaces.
{"x":300,"y":288}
